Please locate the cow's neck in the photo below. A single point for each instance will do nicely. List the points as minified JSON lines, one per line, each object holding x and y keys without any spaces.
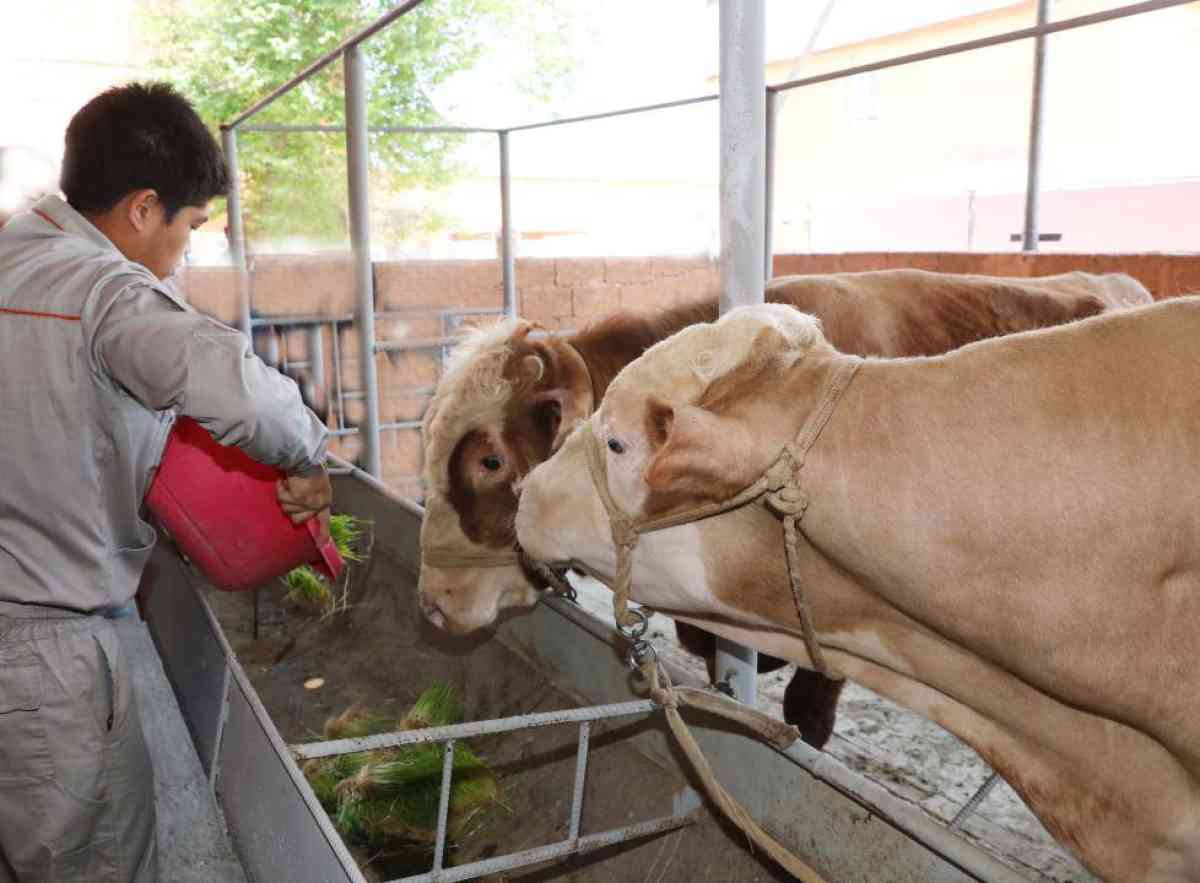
{"x":610,"y":345}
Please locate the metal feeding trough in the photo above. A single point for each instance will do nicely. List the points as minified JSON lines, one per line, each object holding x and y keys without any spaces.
{"x":606,"y":779}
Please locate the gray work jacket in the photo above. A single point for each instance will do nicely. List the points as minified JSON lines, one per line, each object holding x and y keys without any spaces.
{"x":97,"y":357}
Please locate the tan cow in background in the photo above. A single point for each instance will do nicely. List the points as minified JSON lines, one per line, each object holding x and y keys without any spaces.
{"x":508,"y":400}
{"x":1005,"y":539}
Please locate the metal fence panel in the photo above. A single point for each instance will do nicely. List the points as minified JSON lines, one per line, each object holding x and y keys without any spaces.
{"x":279,"y":833}
{"x":191,"y":653}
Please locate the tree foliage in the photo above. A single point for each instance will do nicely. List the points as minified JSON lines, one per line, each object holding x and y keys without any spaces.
{"x":226,"y":54}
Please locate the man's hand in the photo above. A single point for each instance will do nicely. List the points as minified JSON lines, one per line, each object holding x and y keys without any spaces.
{"x":306,"y":494}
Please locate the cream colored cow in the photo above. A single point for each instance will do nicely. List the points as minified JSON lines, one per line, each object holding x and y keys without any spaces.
{"x":1005,"y":539}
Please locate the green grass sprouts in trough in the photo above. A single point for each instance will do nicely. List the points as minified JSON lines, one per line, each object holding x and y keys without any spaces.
{"x":387,"y":800}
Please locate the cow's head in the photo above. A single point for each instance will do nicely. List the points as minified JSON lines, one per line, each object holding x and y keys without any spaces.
{"x":504,"y":405}
{"x":696,"y":419}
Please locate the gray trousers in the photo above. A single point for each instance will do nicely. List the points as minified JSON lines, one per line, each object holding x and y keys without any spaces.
{"x":76,"y":786}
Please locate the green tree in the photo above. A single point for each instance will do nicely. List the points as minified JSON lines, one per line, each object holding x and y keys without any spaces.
{"x":226,"y":54}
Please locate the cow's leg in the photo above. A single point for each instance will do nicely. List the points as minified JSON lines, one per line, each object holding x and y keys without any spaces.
{"x":810,"y":705}
{"x":698,"y":642}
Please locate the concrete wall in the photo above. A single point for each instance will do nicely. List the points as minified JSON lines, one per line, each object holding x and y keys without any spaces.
{"x":413,"y":298}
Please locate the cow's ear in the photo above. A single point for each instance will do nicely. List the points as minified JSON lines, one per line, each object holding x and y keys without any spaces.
{"x":696,"y":454}
{"x":566,"y":382}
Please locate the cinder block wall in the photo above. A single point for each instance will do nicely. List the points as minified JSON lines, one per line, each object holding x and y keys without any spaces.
{"x":565,"y":293}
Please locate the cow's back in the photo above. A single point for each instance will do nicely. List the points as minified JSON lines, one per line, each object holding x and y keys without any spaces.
{"x":916,"y":312}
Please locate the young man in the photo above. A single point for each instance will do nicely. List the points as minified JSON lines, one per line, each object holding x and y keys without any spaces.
{"x":97,"y":358}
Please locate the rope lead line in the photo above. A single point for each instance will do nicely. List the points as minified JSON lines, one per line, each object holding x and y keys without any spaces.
{"x":769,"y":729}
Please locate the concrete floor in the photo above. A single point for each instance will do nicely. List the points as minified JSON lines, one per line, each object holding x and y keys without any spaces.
{"x":193,"y":846}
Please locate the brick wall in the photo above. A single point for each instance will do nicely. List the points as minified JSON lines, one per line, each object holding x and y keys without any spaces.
{"x":558,"y":294}
{"x":410,"y":297}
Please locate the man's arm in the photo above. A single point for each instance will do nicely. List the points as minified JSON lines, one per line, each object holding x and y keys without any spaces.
{"x":168,"y":357}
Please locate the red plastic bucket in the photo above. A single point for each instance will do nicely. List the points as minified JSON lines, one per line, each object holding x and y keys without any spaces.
{"x":220,"y":508}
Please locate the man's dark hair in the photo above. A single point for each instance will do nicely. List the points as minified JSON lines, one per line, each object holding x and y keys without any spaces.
{"x":140,"y":136}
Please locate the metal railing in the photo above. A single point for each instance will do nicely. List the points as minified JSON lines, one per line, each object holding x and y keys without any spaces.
{"x":357,"y":128}
{"x":575,"y":842}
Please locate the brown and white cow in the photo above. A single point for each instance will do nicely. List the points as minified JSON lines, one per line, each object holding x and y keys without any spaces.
{"x":1005,"y":539}
{"x":508,"y":400}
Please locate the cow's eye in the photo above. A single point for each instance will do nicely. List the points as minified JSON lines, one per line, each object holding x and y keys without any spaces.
{"x":615,"y":446}
{"x":491,"y":463}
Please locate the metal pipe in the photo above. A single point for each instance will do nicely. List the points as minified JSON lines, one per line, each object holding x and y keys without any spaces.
{"x":399,"y":424}
{"x":237,"y":233}
{"x":743,"y":150}
{"x":662,"y":105}
{"x":299,"y":320}
{"x":1066,"y":24}
{"x":409,"y":130}
{"x":769,"y":187}
{"x":507,"y":257}
{"x":319,"y":319}
{"x":737,"y":670}
{"x":415,"y":343}
{"x":552,"y":851}
{"x":337,"y":375}
{"x":743,"y":219}
{"x":271,"y":347}
{"x":581,"y":759}
{"x":973,"y":804}
{"x":324,"y":61}
{"x":439,"y":849}
{"x":316,"y":360}
{"x":360,"y":235}
{"x":1036,"y":114}
{"x":403,"y":390}
{"x":470,"y":730}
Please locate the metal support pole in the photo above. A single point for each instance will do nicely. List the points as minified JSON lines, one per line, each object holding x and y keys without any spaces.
{"x":335,"y":330}
{"x":237,"y":233}
{"x":360,"y":236}
{"x":581,"y":759}
{"x":439,"y":850}
{"x":743,"y":150}
{"x":743,"y":219}
{"x":769,"y":187}
{"x":737,"y":671}
{"x":508,"y":261}
{"x":1037,"y":112}
{"x":316,"y":362}
{"x":271,"y":346}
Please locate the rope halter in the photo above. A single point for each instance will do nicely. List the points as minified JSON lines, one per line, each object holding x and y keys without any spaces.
{"x":779,"y":487}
